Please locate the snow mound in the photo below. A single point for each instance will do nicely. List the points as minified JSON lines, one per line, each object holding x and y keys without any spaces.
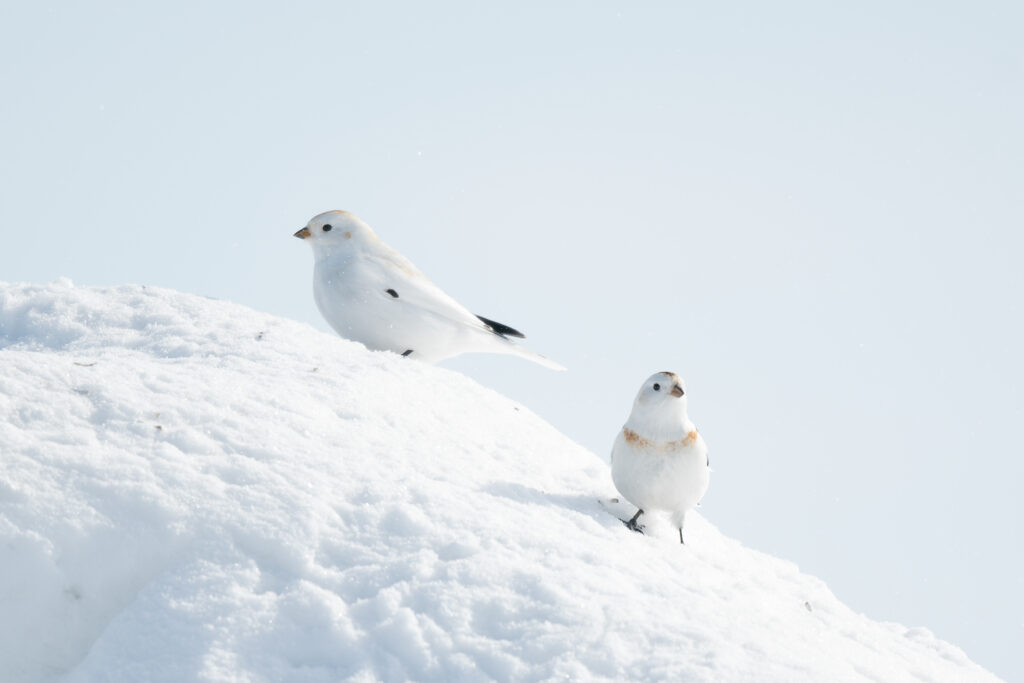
{"x":194,"y":491}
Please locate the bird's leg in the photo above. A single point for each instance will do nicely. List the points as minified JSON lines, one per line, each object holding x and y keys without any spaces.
{"x":632,"y":524}
{"x":681,"y":535}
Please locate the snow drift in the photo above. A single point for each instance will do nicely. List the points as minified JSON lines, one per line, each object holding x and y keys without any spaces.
{"x":194,"y":491}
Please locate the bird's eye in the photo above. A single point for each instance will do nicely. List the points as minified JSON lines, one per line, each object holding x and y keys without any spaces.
{"x":327,"y":228}
{"x":657,"y":387}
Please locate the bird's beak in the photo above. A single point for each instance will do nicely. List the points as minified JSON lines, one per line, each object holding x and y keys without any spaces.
{"x":677,"y":391}
{"x":303,"y":234}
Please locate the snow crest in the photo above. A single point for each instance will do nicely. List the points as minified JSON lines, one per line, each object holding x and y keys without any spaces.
{"x":194,"y":491}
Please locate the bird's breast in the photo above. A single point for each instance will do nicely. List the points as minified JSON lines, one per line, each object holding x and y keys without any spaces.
{"x":642,"y":443}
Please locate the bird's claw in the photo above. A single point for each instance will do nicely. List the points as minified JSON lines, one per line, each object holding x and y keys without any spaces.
{"x":632,"y":525}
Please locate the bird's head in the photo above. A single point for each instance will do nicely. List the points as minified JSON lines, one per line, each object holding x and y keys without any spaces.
{"x":662,"y":397}
{"x":335,"y":229}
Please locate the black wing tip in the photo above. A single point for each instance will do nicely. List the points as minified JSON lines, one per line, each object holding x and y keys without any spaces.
{"x":500,"y":329}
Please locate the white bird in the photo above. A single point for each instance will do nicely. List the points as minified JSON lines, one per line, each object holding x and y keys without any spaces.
{"x":659,"y":461}
{"x":370,"y":293}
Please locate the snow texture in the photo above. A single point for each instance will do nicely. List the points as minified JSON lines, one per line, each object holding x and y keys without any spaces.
{"x":194,"y":491}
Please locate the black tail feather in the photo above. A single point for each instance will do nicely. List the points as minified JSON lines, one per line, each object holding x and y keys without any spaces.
{"x":501,"y":330}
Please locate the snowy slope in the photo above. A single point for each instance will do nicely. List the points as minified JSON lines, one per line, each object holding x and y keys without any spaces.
{"x":191,"y":490}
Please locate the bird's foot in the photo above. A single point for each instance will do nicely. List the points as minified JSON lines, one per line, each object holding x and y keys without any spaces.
{"x":633,"y":525}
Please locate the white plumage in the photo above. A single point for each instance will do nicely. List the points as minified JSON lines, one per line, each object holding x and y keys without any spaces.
{"x":659,"y":461}
{"x":370,"y":293}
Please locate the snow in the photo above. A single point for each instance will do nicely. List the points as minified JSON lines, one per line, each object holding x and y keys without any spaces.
{"x":194,"y":491}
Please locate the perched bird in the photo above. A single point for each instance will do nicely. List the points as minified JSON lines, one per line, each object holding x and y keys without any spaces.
{"x":370,"y":293}
{"x":659,"y":461}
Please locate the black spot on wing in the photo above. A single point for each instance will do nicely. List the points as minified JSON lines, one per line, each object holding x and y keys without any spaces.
{"x":392,"y":292}
{"x":500,"y":329}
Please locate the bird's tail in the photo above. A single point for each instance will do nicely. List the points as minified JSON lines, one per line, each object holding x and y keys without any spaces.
{"x":502,"y":333}
{"x":523,"y":352}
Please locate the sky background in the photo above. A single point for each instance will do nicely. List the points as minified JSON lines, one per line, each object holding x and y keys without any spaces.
{"x":813,"y":213}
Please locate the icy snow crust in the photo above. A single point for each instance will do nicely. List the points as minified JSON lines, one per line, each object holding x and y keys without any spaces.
{"x":194,"y":491}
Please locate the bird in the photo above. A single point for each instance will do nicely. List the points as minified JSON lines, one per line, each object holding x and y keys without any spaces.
{"x":370,"y":293}
{"x":659,"y":461}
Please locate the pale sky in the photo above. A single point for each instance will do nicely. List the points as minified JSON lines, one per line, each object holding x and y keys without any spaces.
{"x":812,"y":213}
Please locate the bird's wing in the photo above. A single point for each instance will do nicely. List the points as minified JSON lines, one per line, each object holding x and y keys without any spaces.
{"x":620,"y":442}
{"x":390,"y":258}
{"x":398,"y":278}
{"x":501,"y":329}
{"x":707,"y":458}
